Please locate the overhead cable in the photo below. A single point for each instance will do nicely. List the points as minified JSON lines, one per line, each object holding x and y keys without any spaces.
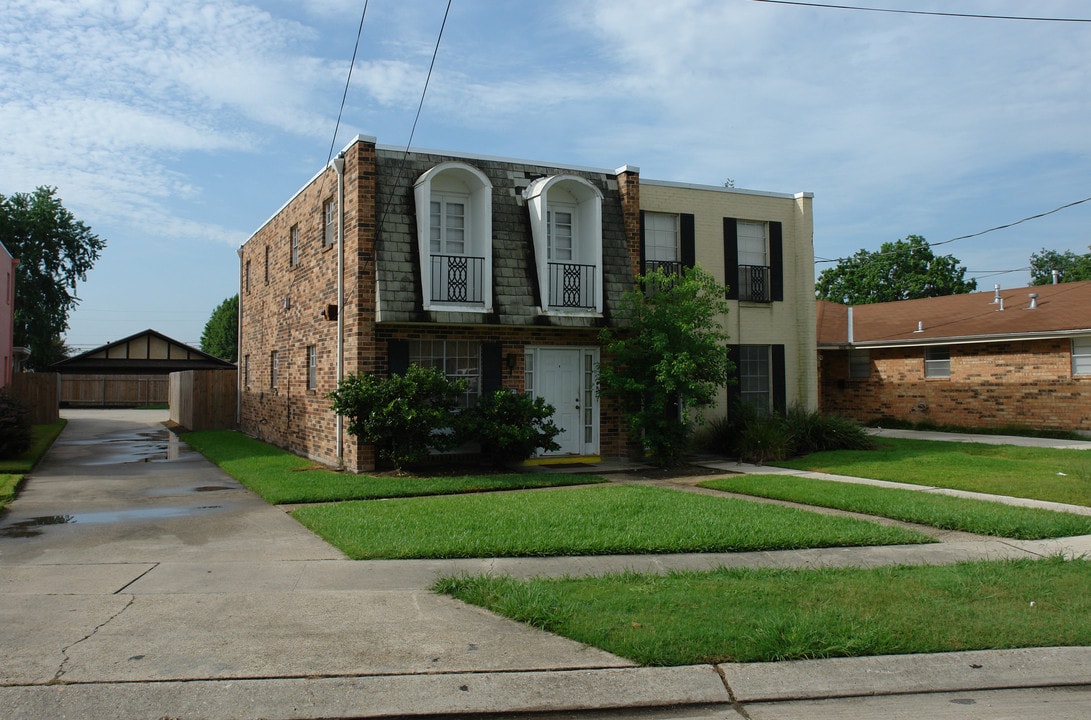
{"x":979,"y":16}
{"x":348,"y":79}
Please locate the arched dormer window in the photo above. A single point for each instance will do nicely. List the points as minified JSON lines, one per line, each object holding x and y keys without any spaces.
{"x":454,"y":236}
{"x":566,"y":222}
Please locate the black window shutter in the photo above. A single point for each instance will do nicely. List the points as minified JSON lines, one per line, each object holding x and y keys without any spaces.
{"x":776,"y":260}
{"x":780,"y":397}
{"x":491,"y":366}
{"x":643,"y":247}
{"x":734,"y":392}
{"x":688,"y":254}
{"x":397,"y":356}
{"x":731,"y":258}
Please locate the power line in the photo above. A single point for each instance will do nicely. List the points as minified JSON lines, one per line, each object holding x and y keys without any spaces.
{"x":929,"y":245}
{"x":926,"y":12}
{"x":348,"y":79}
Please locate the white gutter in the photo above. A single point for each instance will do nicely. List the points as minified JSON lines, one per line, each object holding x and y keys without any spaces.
{"x":339,"y":168}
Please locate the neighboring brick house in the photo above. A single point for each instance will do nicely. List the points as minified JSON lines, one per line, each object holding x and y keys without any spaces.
{"x":987,"y":359}
{"x":499,"y":271}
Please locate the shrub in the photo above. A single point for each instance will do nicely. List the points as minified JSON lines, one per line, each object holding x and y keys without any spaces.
{"x":404,"y":416}
{"x":511,"y":426}
{"x":764,"y":438}
{"x":15,"y":435}
{"x":814,"y":432}
{"x":757,"y":437}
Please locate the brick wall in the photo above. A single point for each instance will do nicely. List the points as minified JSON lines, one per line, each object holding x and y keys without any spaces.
{"x":991,"y":385}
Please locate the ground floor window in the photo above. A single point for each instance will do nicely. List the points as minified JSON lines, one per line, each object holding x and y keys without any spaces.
{"x":274,"y":368}
{"x":312,"y":367}
{"x":755,"y":377}
{"x":457,"y":359}
{"x":859,"y":364}
{"x":937,"y":362}
{"x":1081,"y":356}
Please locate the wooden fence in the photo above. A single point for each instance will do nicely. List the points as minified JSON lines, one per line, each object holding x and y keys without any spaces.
{"x":38,"y":391}
{"x":204,"y":399}
{"x":114,"y":390}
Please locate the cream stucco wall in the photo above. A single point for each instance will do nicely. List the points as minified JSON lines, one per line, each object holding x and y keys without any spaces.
{"x":791,"y":322}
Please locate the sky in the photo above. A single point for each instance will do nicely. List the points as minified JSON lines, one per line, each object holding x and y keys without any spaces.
{"x":176,"y":128}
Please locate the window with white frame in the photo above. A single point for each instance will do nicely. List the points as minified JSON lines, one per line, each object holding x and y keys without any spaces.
{"x":754,"y":271}
{"x":454,"y":235}
{"x":560,"y":232}
{"x":329,"y":222}
{"x":312,"y":367}
{"x":457,"y":359}
{"x":293,"y":245}
{"x":859,"y":363}
{"x":1081,"y":356}
{"x":274,"y":369}
{"x":755,"y":377}
{"x":937,"y":361}
{"x":661,"y":241}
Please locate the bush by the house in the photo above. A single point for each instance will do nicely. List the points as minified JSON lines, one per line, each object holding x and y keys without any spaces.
{"x":406,"y":417}
{"x":813,"y":432}
{"x":763,"y":437}
{"x":511,"y":426}
{"x":15,"y":433}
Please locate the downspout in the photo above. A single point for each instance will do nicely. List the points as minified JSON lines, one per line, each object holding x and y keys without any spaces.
{"x":850,"y":336}
{"x":339,"y":168}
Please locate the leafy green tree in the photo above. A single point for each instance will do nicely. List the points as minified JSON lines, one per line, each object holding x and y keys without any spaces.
{"x":902,"y":270}
{"x":54,"y":251}
{"x":669,"y":358}
{"x":1069,"y":265}
{"x":220,"y":337}
{"x":404,"y":416}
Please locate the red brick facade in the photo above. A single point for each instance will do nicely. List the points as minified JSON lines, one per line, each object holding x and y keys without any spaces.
{"x":991,"y":384}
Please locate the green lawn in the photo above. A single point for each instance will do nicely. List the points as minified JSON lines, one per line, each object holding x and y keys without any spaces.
{"x":13,"y":469}
{"x":1041,"y":473}
{"x":281,"y":477}
{"x":941,"y":511}
{"x":603,"y":520}
{"x":747,"y":615}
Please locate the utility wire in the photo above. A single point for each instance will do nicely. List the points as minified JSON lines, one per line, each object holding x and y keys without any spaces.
{"x":344,"y":96}
{"x":926,"y":12}
{"x":929,"y":245}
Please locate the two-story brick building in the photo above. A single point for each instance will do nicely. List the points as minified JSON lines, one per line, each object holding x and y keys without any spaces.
{"x":501,"y":272}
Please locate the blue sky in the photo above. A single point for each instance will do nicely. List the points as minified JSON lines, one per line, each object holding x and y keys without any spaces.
{"x":175,"y":129}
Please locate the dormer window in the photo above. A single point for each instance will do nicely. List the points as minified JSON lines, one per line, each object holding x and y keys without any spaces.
{"x":566,"y":223}
{"x":454,"y":236}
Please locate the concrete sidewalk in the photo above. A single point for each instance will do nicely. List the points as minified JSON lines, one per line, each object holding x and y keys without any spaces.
{"x":139,"y":581}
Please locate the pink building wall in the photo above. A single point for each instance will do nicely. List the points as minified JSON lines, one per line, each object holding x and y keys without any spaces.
{"x":7,"y":313}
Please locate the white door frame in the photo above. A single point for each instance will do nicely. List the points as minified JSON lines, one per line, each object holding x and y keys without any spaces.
{"x":583,"y":440}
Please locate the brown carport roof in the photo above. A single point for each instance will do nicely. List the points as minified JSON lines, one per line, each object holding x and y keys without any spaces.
{"x":1063,"y":309}
{"x":133,"y":355}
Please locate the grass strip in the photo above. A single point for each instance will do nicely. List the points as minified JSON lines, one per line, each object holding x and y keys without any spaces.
{"x":41,"y":439}
{"x":602,"y":520}
{"x":9,"y":485}
{"x":754,"y":615}
{"x":1062,"y":476}
{"x":941,"y":511}
{"x":280,"y":477}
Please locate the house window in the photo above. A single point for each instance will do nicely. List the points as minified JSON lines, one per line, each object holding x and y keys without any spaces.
{"x":454,"y":236}
{"x":661,"y":242}
{"x":246,"y":275}
{"x":457,"y":359}
{"x":312,"y":367}
{"x":293,"y":245}
{"x":755,"y":377}
{"x":266,"y":264}
{"x":754,"y":268}
{"x":1081,"y":356}
{"x":528,"y":373}
{"x":273,"y":369}
{"x":566,"y":226}
{"x":859,"y":364}
{"x":329,"y":218}
{"x":937,"y":362}
{"x":246,"y":371}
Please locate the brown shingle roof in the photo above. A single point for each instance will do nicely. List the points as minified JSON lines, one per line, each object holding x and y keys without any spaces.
{"x":1061,"y":309}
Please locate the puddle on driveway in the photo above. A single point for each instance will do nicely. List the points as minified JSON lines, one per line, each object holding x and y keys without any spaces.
{"x":33,"y":526}
{"x":147,"y":446}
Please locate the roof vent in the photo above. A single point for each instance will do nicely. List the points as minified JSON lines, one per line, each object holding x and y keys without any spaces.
{"x":1001,"y":304}
{"x":920,"y":326}
{"x":996,"y":294}
{"x":1033,"y":301}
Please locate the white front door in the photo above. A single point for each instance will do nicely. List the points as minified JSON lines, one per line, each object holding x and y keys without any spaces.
{"x":563,"y":377}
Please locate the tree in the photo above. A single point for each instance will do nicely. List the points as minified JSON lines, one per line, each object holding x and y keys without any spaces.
{"x":669,"y":359}
{"x":1069,"y":265}
{"x":404,"y":416}
{"x":54,"y":251}
{"x":902,"y":270}
{"x":221,"y":334}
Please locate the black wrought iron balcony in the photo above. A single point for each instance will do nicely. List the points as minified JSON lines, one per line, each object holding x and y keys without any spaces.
{"x":667,"y":267}
{"x":458,"y":279}
{"x":754,"y":283}
{"x":571,"y":285}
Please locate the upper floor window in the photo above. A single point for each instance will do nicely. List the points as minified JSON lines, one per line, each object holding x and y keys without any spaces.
{"x":454,"y":236}
{"x":293,"y":245}
{"x":246,"y":275}
{"x":329,"y":222}
{"x":266,"y":264}
{"x":754,"y":260}
{"x":274,"y":368}
{"x":937,"y":361}
{"x":661,"y":248}
{"x":566,"y":224}
{"x":312,"y":367}
{"x":1081,"y":356}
